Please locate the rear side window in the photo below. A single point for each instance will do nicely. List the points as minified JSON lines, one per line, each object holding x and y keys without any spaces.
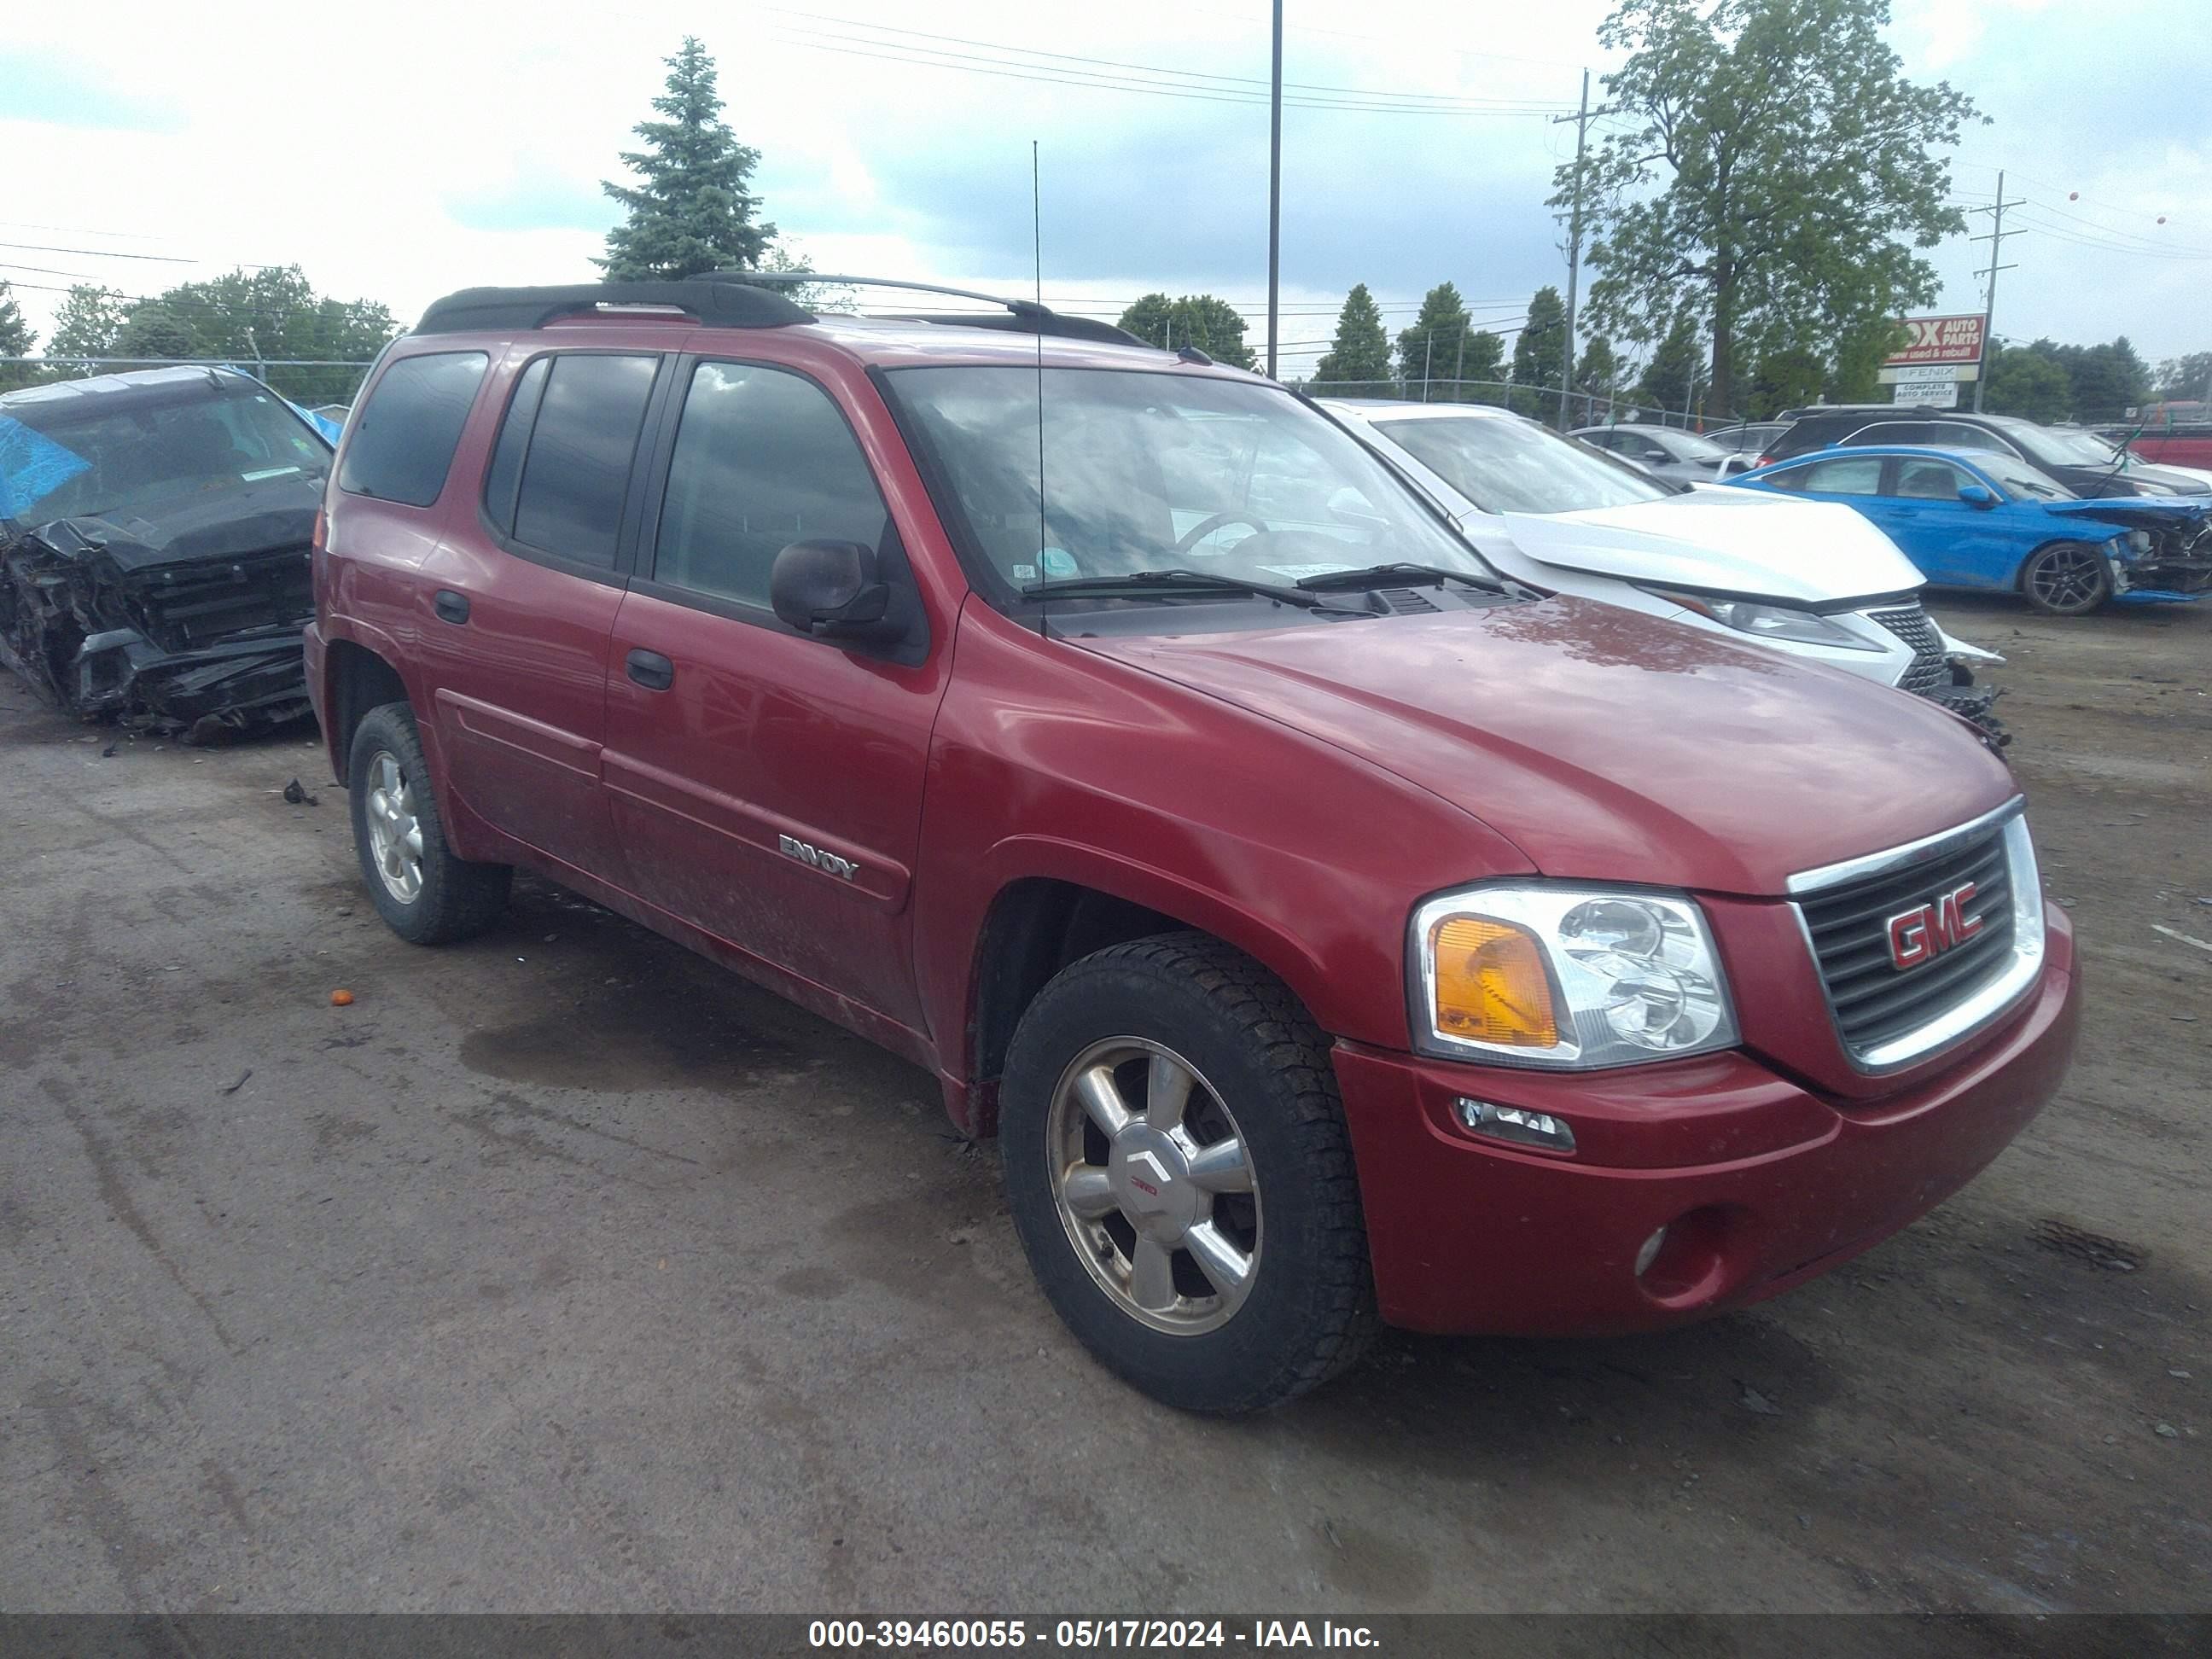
{"x":1855,"y":476}
{"x":762,"y":459}
{"x":577,"y":468}
{"x":402,"y":439}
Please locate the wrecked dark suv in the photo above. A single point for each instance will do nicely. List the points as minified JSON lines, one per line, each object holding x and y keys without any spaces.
{"x":153,"y":542}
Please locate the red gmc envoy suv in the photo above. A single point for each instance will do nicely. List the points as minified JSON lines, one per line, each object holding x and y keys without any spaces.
{"x":1329,"y":929}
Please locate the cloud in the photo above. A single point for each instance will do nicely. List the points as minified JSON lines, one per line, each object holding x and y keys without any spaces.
{"x":445,"y":146}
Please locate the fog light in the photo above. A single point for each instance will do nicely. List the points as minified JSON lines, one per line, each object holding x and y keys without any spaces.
{"x":1650,"y":1253}
{"x":1512,"y":1124}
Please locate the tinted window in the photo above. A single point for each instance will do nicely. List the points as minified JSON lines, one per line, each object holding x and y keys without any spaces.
{"x":1930,"y":481}
{"x":578,"y":469}
{"x":402,"y":437}
{"x":762,"y":459}
{"x":505,"y":471}
{"x":1852,"y":475}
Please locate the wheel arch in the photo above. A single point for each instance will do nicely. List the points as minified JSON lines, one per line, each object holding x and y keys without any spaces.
{"x":1062,"y":908}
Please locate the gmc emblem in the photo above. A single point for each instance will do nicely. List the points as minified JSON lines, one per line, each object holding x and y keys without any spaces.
{"x":1922,"y":934}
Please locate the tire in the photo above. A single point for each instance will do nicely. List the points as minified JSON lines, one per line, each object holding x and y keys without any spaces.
{"x":424,"y":894}
{"x":1259,"y":1076}
{"x":2066,"y":579}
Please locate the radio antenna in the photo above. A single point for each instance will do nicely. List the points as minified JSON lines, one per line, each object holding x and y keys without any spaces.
{"x":1037,"y":235}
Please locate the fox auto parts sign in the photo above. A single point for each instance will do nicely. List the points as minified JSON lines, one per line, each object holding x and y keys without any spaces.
{"x":1939,"y":340}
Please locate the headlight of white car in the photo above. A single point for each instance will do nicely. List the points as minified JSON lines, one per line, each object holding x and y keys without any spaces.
{"x":1532,"y":973}
{"x":1764,"y":621}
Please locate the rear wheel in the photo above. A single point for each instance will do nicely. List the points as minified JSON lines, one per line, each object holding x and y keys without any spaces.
{"x":1178,"y":1169}
{"x":2066,"y":579}
{"x":425,"y":894}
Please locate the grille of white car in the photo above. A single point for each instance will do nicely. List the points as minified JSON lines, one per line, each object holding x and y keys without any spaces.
{"x":1929,"y":669}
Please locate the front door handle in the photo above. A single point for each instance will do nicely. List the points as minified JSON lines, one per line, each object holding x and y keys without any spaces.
{"x":651,"y":671}
{"x":451,"y":606}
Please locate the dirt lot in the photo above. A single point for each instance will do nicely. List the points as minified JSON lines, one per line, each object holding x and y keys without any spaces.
{"x":561,"y":1272}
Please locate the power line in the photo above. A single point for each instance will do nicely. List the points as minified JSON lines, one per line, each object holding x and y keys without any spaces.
{"x":1018,"y":70}
{"x":869,"y":29}
{"x":103,"y":253}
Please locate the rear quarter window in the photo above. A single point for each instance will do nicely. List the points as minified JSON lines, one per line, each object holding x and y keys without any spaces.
{"x":403,"y":437}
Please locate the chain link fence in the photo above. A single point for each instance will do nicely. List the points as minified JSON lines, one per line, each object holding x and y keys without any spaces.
{"x":1538,"y":402}
{"x":327,"y":385}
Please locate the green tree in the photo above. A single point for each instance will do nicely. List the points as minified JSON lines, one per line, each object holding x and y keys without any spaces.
{"x":16,"y":340}
{"x":692,"y":212}
{"x":1214,"y":325}
{"x":2103,"y":381}
{"x":1666,"y":382}
{"x":88,"y":324}
{"x":1598,"y":373}
{"x":2028,"y":381}
{"x":1443,"y":346}
{"x":1775,"y":174}
{"x":257,"y":317}
{"x":2189,"y":377}
{"x":1539,"y":355}
{"x":1357,"y":364}
{"x":1784,"y":379}
{"x":1855,"y":367}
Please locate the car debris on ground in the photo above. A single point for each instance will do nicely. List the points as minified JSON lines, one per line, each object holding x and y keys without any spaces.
{"x":154,"y":547}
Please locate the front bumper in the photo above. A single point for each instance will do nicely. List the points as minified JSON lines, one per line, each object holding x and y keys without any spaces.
{"x":1762,"y":1183}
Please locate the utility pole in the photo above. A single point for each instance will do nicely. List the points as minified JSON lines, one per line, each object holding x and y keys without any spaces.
{"x":1996,"y":240}
{"x":1575,"y":245}
{"x":1275,"y":192}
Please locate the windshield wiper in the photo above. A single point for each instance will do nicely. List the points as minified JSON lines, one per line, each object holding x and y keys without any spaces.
{"x":1152,"y":584}
{"x":1380,"y":576}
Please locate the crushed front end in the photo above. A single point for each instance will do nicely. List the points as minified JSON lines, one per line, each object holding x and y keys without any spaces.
{"x":153,"y":548}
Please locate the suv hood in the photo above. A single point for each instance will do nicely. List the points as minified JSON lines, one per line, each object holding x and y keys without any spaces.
{"x":1604,"y":744}
{"x":1723,"y":540}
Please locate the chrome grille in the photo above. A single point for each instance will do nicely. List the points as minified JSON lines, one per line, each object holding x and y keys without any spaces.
{"x":1929,"y":668}
{"x":1875,"y":1001}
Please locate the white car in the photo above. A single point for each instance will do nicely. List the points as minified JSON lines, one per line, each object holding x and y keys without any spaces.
{"x":1811,"y":578}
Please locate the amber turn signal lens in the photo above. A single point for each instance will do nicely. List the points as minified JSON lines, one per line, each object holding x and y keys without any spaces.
{"x":1491,"y":984}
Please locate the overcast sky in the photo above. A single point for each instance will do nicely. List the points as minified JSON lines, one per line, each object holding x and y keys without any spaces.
{"x":399,"y":151}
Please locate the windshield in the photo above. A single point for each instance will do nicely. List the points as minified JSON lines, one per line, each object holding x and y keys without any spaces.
{"x":2024,"y":481}
{"x":2083,"y":448}
{"x":1689,"y":446}
{"x":86,"y":456}
{"x":1161,"y":471}
{"x":1517,"y":466}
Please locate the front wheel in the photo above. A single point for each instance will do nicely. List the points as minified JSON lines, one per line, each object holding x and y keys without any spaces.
{"x":2066,"y":579}
{"x":424,"y":894}
{"x":1179,"y":1171}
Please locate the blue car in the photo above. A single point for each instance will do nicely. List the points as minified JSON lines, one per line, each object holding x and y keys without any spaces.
{"x":1972,"y":518}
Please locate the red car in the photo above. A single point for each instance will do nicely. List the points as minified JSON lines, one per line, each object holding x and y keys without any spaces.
{"x":1329,"y":929}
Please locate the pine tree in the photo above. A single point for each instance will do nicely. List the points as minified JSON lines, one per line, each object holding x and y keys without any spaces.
{"x":16,"y":340}
{"x":1598,"y":374}
{"x":1666,"y":382}
{"x":692,"y":212}
{"x":1540,"y":355}
{"x":1358,"y":364}
{"x":1442,"y":345}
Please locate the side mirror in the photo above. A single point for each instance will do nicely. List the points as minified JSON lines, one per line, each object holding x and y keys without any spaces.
{"x":1657,"y":456}
{"x":1978,"y":494}
{"x":831,"y":589}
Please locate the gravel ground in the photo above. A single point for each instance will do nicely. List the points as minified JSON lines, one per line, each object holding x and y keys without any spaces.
{"x":561,"y":1271}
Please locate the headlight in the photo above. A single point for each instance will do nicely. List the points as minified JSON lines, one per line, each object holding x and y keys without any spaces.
{"x":1763,"y":620}
{"x":1536,"y":975}
{"x":2138,"y":541}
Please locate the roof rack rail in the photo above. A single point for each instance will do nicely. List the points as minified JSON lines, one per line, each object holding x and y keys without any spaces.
{"x":719,"y":300}
{"x":1024,"y":316}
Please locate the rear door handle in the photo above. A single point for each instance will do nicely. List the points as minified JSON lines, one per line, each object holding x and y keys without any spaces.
{"x":651,"y":671}
{"x":451,"y":606}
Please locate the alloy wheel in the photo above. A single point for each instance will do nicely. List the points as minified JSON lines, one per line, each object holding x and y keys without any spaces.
{"x":1154,"y":1186}
{"x":395,"y":828}
{"x":2068,"y":579}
